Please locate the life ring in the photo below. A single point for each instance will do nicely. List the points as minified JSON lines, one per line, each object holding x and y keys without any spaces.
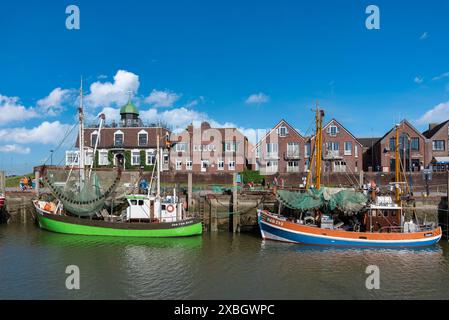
{"x":170,"y":208}
{"x":309,"y":220}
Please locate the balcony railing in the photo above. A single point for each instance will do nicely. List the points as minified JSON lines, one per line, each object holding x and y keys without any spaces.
{"x":332,"y":154}
{"x":292,"y":155}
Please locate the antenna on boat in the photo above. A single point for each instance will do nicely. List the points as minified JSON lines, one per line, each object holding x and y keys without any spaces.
{"x":397,"y":166}
{"x":81,"y":135}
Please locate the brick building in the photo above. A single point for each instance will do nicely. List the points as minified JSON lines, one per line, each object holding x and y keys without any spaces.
{"x":128,"y":143}
{"x":209,"y":150}
{"x":413,"y":149}
{"x":437,"y":152}
{"x":342,"y":151}
{"x":281,"y":150}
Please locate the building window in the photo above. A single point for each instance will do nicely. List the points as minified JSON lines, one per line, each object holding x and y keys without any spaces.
{"x":189,"y":164}
{"x":89,"y":160}
{"x":220,"y":164}
{"x":103,"y":158}
{"x":71,"y":158}
{"x":151,"y":157}
{"x":135,"y":157}
{"x":272,"y":166}
{"x":231,"y":165}
{"x":307,"y":150}
{"x":143,"y":139}
{"x":333,"y":146}
{"x":181,"y":147}
{"x":257,"y":152}
{"x":204,"y":165}
{"x":231,"y":146}
{"x":438,"y":145}
{"x":293,"y":166}
{"x":272,"y":149}
{"x":356,"y":151}
{"x":415,"y":144}
{"x":333,"y":130}
{"x":293,"y":149}
{"x":178,"y":164}
{"x":118,"y":139}
{"x":348,"y":148}
{"x":392,"y":144}
{"x":93,"y":139}
{"x":283,"y":131}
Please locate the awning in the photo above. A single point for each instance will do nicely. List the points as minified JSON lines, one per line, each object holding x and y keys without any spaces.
{"x":441,"y":160}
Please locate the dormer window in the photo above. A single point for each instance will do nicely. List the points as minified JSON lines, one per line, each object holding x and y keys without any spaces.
{"x":93,"y":138}
{"x":118,"y":139}
{"x":143,"y":138}
{"x":283,"y":131}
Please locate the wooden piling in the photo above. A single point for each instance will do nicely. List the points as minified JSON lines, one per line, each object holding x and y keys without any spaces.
{"x":2,"y":182}
{"x":235,"y":212}
{"x":23,"y":210}
{"x":189,"y":192}
{"x":213,"y":217}
{"x":361,"y":174}
{"x":37,"y":184}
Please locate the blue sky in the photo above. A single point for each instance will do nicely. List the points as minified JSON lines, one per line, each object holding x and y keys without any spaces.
{"x":194,"y":60}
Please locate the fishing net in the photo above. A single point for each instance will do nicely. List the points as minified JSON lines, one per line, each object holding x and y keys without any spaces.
{"x":326,"y":199}
{"x":81,"y":199}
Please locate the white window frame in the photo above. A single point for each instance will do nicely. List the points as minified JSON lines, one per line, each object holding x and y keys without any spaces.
{"x":138,"y":138}
{"x":270,"y":165}
{"x":123,"y":138}
{"x":283,"y":134}
{"x":356,"y":150}
{"x":333,"y":134}
{"x":230,"y":146}
{"x":347,"y":152}
{"x":293,"y":168}
{"x":132,"y":157}
{"x":91,"y":135}
{"x":204,"y":168}
{"x":220,"y":164}
{"x":89,"y":157}
{"x":272,"y":150}
{"x":73,"y":156}
{"x":295,"y":152}
{"x":231,"y":165}
{"x":150,"y":154}
{"x":178,"y":164}
{"x":101,"y":157}
{"x":178,"y":147}
{"x":189,"y":164}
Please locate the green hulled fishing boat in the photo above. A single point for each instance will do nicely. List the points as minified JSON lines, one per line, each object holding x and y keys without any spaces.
{"x":80,"y":203}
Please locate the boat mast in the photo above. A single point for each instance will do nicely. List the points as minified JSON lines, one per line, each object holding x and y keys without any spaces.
{"x":319,"y":145}
{"x":397,"y":167}
{"x":81,"y":136}
{"x":158,"y":191}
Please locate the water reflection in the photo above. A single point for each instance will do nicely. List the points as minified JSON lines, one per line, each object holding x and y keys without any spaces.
{"x":214,"y":266}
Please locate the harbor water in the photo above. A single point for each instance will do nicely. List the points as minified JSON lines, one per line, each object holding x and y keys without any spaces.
{"x":221,"y":265}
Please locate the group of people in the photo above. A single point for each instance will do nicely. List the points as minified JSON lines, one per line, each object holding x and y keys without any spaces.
{"x":26,"y":183}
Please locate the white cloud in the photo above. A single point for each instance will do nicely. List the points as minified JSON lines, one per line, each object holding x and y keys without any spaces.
{"x":162,"y":98}
{"x":53,"y":104}
{"x":257,"y":98}
{"x":424,"y":36}
{"x":106,"y":94}
{"x":418,"y":80}
{"x":437,"y":114}
{"x":45,"y":133}
{"x":11,"y":110}
{"x":14,"y":148}
{"x":441,"y":76}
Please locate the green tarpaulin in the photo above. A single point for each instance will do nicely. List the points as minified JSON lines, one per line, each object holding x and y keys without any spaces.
{"x":326,"y":199}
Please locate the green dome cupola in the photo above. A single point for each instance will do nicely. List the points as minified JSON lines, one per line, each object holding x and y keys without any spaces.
{"x":129,"y":108}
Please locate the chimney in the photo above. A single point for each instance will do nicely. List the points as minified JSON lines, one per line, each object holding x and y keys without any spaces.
{"x":432,"y":125}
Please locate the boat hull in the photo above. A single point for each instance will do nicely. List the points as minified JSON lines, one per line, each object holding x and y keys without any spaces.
{"x":79,"y":226}
{"x":274,"y":228}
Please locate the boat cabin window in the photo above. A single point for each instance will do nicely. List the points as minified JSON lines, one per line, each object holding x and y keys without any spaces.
{"x":140,"y":202}
{"x":134,"y":202}
{"x":163,"y":207}
{"x":385,"y":213}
